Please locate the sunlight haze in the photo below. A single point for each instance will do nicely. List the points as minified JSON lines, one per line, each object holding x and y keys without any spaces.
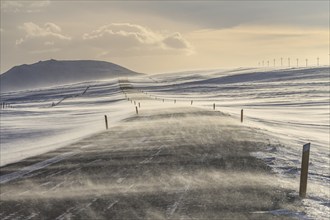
{"x":155,"y":36}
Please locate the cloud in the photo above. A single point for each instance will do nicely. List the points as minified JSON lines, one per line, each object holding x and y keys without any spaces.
{"x":46,"y":38}
{"x":24,"y":6}
{"x":223,"y":14}
{"x":113,"y":40}
{"x":176,"y":40}
{"x":125,"y":38}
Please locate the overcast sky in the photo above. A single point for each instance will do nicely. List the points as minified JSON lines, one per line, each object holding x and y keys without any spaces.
{"x":155,"y":36}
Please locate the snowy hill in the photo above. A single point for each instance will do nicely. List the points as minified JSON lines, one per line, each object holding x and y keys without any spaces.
{"x":53,"y":72}
{"x":284,"y":107}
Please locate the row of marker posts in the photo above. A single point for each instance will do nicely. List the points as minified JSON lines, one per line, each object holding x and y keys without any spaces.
{"x":305,"y":154}
{"x":4,"y":105}
{"x":191,"y":103}
{"x":156,"y":98}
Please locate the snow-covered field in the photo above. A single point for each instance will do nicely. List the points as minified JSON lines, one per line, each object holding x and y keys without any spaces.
{"x":290,"y":105}
{"x":33,"y":126}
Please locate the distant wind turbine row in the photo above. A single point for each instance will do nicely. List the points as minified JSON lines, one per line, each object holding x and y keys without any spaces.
{"x":267,"y":63}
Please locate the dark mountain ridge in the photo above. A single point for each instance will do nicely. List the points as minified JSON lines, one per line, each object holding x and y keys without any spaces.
{"x":59,"y":72}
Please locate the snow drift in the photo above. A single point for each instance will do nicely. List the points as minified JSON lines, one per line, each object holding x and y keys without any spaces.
{"x":288,"y":106}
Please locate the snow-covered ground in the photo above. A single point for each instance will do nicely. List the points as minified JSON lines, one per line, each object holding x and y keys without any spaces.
{"x":290,"y":105}
{"x":33,"y":126}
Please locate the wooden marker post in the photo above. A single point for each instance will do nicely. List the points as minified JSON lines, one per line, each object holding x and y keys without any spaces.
{"x":163,"y":100}
{"x":191,"y":102}
{"x":174,"y":101}
{"x":241,"y":115}
{"x":134,"y":103}
{"x":139,"y":105}
{"x":213,"y":106}
{"x":304,"y":170}
{"x":106,"y":122}
{"x":136,"y":109}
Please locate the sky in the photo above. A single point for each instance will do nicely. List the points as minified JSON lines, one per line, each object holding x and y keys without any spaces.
{"x":159,"y":36}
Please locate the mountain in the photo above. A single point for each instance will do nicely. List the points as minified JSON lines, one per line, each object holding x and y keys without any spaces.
{"x":56,"y":72}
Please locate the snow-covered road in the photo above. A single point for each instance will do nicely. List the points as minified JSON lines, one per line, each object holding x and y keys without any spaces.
{"x":285,"y":108}
{"x":168,"y":162}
